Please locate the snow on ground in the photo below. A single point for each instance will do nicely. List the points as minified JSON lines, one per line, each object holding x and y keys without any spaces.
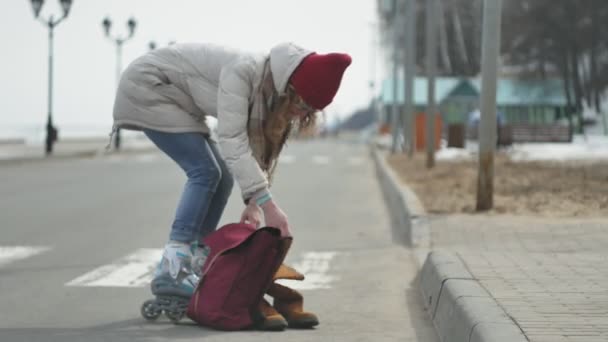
{"x":452,"y":153}
{"x":590,"y":147}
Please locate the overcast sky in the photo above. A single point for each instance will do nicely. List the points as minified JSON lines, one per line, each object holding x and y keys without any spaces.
{"x":85,"y":60}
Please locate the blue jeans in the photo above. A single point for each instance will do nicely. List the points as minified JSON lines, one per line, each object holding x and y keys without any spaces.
{"x":207,"y":189}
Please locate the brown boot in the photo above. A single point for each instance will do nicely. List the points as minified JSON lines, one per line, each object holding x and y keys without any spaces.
{"x":287,"y":272}
{"x":273,"y":321}
{"x":289,"y":302}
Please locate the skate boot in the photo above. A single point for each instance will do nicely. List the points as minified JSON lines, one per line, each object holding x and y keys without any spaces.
{"x":173,"y":284}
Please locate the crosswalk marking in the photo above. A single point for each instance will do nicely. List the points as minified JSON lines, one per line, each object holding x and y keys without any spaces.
{"x":323,"y":160}
{"x":147,"y":157}
{"x":283,"y":159}
{"x":287,"y":159}
{"x":134,"y":270}
{"x":9,"y":254}
{"x":355,"y":160}
{"x":315,"y":267}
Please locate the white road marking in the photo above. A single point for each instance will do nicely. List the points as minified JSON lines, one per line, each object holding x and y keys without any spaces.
{"x":114,"y":158}
{"x":147,"y":157}
{"x":134,"y":270}
{"x":323,"y":160}
{"x":9,"y":254}
{"x":355,"y":160}
{"x":136,"y":157}
{"x":314,"y":266}
{"x":287,"y":159}
{"x":319,"y":159}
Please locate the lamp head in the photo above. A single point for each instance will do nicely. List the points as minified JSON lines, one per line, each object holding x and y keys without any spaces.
{"x":36,"y":6}
{"x":107,"y":24}
{"x":132,"y":24}
{"x":66,"y":4}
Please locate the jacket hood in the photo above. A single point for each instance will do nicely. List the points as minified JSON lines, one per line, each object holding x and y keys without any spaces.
{"x":284,"y":59}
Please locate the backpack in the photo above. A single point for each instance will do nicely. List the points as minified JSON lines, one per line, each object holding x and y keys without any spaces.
{"x":235,"y":276}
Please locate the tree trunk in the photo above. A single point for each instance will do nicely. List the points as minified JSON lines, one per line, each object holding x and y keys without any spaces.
{"x":593,"y":60}
{"x":473,"y":36}
{"x":576,"y":80}
{"x":542,"y":65}
{"x":586,"y":80}
{"x":443,"y":38}
{"x":462,"y":49}
{"x":565,"y":71}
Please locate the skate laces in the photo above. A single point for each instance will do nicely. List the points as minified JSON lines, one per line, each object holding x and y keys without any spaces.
{"x":177,"y":259}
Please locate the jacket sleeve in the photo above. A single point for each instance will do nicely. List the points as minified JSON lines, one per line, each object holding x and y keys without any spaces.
{"x":235,"y":87}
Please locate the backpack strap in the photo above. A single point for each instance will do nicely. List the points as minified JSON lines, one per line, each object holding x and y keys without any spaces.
{"x":227,"y":238}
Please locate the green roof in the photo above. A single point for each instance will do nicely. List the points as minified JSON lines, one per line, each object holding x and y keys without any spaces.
{"x":511,"y":92}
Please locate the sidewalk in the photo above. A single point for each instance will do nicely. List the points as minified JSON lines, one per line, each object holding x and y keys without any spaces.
{"x":509,"y":278}
{"x":14,"y":152}
{"x":549,"y":276}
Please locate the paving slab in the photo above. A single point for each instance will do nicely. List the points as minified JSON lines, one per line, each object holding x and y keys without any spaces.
{"x":548,"y":277}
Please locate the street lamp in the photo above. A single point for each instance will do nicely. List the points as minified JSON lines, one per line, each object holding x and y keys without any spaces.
{"x":51,"y":131}
{"x":152,"y":45}
{"x":119,"y":41}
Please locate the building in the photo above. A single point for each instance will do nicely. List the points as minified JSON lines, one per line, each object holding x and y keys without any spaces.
{"x":518,"y":101}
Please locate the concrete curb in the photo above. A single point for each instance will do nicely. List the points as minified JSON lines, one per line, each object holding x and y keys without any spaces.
{"x":460,"y":308}
{"x":404,"y":206}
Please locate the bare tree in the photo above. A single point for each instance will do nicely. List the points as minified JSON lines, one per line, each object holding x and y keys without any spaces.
{"x":443,"y":38}
{"x":462,"y":50}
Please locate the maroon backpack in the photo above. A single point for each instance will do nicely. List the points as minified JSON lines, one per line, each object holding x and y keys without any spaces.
{"x":235,"y":276}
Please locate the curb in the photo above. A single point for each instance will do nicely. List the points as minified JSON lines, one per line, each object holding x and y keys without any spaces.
{"x":460,"y":308}
{"x":404,"y":206}
{"x":84,"y":153}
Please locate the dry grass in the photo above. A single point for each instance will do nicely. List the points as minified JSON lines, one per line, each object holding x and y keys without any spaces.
{"x":572,"y":189}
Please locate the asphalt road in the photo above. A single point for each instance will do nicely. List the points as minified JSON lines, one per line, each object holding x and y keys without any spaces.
{"x":80,"y":236}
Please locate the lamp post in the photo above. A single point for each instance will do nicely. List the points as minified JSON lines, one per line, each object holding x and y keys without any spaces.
{"x":119,"y":41}
{"x":51,"y":131}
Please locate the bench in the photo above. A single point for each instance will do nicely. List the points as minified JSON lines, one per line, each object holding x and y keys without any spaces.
{"x":524,"y":132}
{"x":536,"y":133}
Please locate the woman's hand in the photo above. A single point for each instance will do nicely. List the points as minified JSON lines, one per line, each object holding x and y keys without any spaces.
{"x":276,"y":218}
{"x":252,"y":214}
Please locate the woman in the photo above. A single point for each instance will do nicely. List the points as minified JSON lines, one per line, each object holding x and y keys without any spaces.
{"x":257,"y":100}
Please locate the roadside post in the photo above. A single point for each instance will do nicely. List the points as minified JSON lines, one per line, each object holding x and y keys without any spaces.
{"x":487,"y":127}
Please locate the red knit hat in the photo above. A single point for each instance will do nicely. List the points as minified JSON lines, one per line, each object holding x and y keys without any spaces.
{"x":318,"y":77}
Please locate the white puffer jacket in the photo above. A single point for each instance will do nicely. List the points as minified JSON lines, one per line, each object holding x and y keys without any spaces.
{"x":172,"y":90}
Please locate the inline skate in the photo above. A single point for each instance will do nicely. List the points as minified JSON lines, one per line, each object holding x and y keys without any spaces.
{"x":173,"y":284}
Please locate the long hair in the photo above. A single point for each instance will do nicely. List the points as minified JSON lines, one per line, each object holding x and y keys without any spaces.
{"x":277,"y":126}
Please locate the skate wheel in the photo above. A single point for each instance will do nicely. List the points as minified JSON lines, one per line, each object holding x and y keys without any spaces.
{"x":149,"y":311}
{"x":175,"y":317}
